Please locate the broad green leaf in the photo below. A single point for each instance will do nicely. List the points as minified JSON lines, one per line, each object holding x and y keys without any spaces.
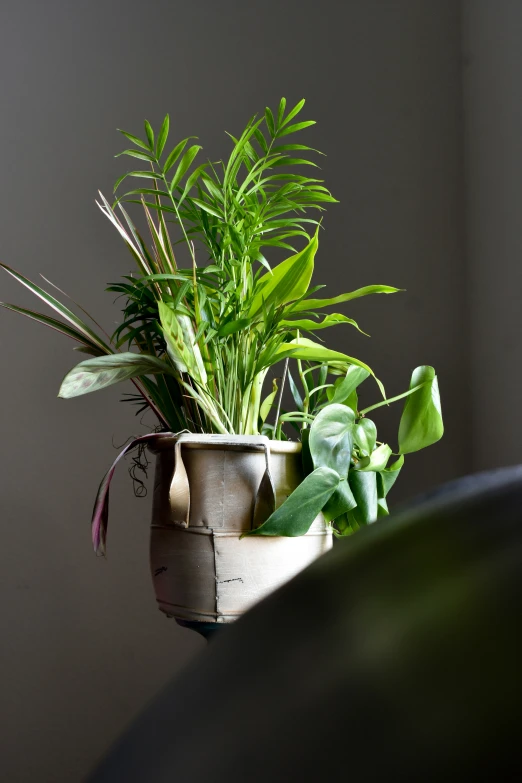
{"x":364,"y":488}
{"x":382,"y":508}
{"x":288,"y":280}
{"x":317,"y":304}
{"x":341,"y":501}
{"x":162,"y":137}
{"x":377,"y":460}
{"x":308,"y":325}
{"x":421,"y":422}
{"x":331,"y":438}
{"x":387,"y":478}
{"x":365,"y":435}
{"x":102,"y":371}
{"x":345,"y":387}
{"x":331,"y":444}
{"x":295,"y":516}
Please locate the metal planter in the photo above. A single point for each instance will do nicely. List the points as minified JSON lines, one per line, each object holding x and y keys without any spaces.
{"x":208,"y":490}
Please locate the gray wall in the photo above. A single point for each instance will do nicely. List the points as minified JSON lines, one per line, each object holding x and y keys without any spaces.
{"x":493,"y":145}
{"x":83,"y":646}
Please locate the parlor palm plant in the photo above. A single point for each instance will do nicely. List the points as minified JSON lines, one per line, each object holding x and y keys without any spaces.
{"x":198,"y":340}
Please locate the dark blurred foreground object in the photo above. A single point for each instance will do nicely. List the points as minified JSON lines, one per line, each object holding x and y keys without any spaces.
{"x":398,"y":656}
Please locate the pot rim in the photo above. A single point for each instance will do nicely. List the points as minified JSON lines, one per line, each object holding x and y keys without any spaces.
{"x":276,"y":446}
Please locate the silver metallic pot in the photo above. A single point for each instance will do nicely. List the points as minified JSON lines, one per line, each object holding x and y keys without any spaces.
{"x":208,"y":490}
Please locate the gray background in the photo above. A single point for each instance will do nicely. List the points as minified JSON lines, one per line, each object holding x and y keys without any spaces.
{"x":419,"y":113}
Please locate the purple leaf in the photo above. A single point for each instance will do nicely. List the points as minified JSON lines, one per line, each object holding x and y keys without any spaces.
{"x":100,"y":514}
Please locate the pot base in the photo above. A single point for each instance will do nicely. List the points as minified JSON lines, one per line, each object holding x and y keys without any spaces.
{"x":207,"y":630}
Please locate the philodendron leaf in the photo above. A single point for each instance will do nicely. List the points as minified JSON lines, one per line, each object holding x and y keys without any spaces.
{"x":296,"y":514}
{"x":378,"y":459}
{"x":331,"y":438}
{"x":102,"y":371}
{"x":421,"y":422}
{"x":341,"y":501}
{"x":387,"y":478}
{"x":331,"y":444}
{"x":289,"y":280}
{"x":365,"y":435}
{"x":364,"y":488}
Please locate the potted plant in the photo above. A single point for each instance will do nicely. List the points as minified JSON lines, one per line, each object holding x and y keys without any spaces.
{"x":239,"y":506}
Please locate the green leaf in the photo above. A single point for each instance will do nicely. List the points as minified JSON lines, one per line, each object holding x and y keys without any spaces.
{"x":364,"y":488}
{"x":377,"y":460}
{"x":288,"y":280}
{"x":184,"y":165}
{"x":150,"y":134}
{"x":316,"y":304}
{"x":180,"y":341}
{"x":269,"y":117}
{"x":297,"y":127}
{"x":136,"y":154}
{"x":387,"y":478}
{"x":191,"y":181}
{"x":231,"y":327}
{"x":103,"y":371}
{"x":331,"y":444}
{"x":267,"y":403}
{"x":341,"y":501}
{"x":162,"y":138}
{"x":307,"y":325}
{"x":345,"y":387}
{"x":174,"y":155}
{"x":134,"y":139}
{"x":281,"y":111}
{"x":331,"y":438}
{"x":302,"y":348}
{"x":421,"y":422}
{"x":295,"y":393}
{"x":295,"y":516}
{"x":365,"y":435}
{"x":293,"y":112}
